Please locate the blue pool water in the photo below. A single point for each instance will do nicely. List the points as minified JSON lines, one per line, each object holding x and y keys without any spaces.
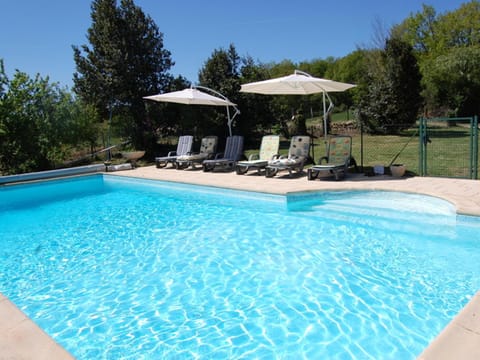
{"x":116,"y":268}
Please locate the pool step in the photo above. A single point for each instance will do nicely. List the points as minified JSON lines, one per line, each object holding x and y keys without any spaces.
{"x":383,"y":218}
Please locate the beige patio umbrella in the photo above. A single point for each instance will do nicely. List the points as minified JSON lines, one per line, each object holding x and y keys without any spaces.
{"x":299,"y":83}
{"x":193,"y":96}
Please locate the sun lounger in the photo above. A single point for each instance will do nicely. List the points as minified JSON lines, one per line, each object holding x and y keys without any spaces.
{"x":295,"y":161}
{"x":337,"y":161}
{"x":226,"y":160}
{"x":268,"y":151}
{"x":208,"y":147}
{"x":184,"y":147}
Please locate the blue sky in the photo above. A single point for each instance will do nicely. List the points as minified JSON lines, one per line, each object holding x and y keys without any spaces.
{"x":37,"y":36}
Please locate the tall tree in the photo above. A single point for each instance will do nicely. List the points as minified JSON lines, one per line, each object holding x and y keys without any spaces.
{"x":3,"y":110}
{"x":404,"y":78}
{"x":392,"y":97}
{"x":433,"y":34}
{"x":454,"y":82}
{"x":172,"y":119}
{"x":258,"y":116}
{"x":220,"y":72}
{"x":446,"y":44}
{"x":420,"y":30}
{"x":126,"y":60}
{"x":460,"y":28}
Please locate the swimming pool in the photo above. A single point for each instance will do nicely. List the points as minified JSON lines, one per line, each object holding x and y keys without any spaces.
{"x":116,"y":268}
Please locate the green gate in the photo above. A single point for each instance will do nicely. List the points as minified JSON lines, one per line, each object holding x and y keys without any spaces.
{"x":449,"y":147}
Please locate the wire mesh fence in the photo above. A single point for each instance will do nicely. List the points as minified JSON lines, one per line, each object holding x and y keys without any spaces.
{"x":449,"y":147}
{"x":377,"y":151}
{"x":433,"y":147}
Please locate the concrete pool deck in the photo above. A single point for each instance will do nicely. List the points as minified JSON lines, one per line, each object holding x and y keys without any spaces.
{"x":21,"y":338}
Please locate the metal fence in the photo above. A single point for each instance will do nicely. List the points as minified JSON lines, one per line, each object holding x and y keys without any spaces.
{"x":381,"y":151}
{"x":449,"y":147}
{"x":444,"y":147}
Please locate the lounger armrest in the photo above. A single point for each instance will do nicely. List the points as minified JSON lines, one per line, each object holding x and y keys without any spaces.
{"x":252,"y":157}
{"x":172,"y":153}
{"x":321,"y":160}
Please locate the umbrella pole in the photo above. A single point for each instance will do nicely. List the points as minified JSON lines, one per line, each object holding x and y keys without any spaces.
{"x":325,"y":114}
{"x":229,"y":121}
{"x":324,"y":118}
{"x":109,"y":153}
{"x":325,"y":132}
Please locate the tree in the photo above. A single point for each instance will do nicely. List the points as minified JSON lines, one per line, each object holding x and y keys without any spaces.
{"x":391,"y":99}
{"x":419,"y":30}
{"x":125,"y":62}
{"x":258,"y":115}
{"x":3,"y":110}
{"x":318,"y":67}
{"x":170,"y":118}
{"x":349,"y":69}
{"x":284,"y":107}
{"x":454,"y":81}
{"x":441,"y":43}
{"x":220,"y":72}
{"x":40,"y":123}
{"x":460,"y":28}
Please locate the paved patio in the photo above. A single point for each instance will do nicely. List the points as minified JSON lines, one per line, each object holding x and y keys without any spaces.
{"x":20,"y":338}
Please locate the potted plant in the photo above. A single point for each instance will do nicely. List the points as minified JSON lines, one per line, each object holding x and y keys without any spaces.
{"x":397,"y":170}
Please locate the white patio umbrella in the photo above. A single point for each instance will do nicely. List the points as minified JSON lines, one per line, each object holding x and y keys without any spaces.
{"x":299,"y":83}
{"x":193,"y":96}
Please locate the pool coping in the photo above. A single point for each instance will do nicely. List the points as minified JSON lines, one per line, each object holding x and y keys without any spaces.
{"x":20,"y":337}
{"x":51,"y":174}
{"x":460,"y":339}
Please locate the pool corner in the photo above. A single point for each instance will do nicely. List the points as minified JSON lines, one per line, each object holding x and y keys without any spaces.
{"x":460,"y":338}
{"x":21,"y":338}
